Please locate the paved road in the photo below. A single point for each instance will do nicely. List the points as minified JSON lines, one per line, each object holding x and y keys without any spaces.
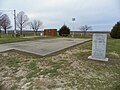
{"x":42,"y":47}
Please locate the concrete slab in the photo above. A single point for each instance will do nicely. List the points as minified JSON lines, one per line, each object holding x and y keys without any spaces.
{"x":43,"y":47}
{"x":4,"y":48}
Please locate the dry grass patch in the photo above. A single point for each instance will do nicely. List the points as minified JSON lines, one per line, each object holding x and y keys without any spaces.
{"x":69,"y":70}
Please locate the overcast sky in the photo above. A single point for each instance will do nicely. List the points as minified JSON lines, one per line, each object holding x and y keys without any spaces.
{"x":100,"y":14}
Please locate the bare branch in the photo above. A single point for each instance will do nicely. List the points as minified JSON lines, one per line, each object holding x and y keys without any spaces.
{"x":35,"y":25}
{"x":85,"y":28}
{"x":1,"y":18}
{"x":5,"y":22}
{"x":22,"y":20}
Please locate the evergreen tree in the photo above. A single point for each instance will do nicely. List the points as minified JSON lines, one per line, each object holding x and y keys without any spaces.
{"x":115,"y":32}
{"x":64,"y":31}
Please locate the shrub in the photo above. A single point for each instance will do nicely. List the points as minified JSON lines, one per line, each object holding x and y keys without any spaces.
{"x":17,"y":35}
{"x":115,"y":32}
{"x":64,"y":31}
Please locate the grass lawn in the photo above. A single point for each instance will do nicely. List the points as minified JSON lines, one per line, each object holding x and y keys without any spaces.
{"x":69,"y":70}
{"x":9,"y":39}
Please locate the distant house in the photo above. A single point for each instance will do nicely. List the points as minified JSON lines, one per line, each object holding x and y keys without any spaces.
{"x":50,"y":32}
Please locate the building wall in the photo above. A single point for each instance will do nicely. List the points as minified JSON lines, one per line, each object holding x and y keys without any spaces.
{"x":50,"y":32}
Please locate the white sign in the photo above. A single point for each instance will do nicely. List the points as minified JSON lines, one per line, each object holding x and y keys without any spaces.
{"x":99,"y":47}
{"x":41,"y":34}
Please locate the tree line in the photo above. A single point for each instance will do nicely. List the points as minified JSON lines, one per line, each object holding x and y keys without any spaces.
{"x":22,"y":20}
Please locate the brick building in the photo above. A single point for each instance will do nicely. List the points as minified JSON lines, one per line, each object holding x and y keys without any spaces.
{"x":50,"y":32}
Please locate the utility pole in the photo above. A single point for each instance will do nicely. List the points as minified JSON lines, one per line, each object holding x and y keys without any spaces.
{"x":15,"y":23}
{"x":73,"y":19}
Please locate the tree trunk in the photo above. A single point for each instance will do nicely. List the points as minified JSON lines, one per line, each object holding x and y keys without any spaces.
{"x":36,"y":33}
{"x":5,"y":30}
{"x":21,"y":31}
{"x":84,"y":34}
{"x":0,"y":32}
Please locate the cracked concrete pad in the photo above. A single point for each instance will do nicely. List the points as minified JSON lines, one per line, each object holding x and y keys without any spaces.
{"x":43,"y":47}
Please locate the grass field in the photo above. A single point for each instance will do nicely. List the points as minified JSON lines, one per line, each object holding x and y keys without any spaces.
{"x":10,"y":39}
{"x":69,"y":70}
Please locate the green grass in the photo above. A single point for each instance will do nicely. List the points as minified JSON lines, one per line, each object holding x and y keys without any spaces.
{"x":53,"y":86}
{"x":9,"y":39}
{"x":33,"y":73}
{"x":19,"y":78}
{"x":32,"y":65}
{"x":113,"y":45}
{"x":12,"y":62}
{"x":34,"y":70}
{"x":14,"y":87}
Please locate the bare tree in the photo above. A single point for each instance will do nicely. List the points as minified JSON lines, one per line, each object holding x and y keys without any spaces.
{"x":35,"y":25}
{"x":0,"y":22}
{"x":5,"y":22}
{"x":22,"y":21}
{"x":0,"y":18}
{"x":85,"y":28}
